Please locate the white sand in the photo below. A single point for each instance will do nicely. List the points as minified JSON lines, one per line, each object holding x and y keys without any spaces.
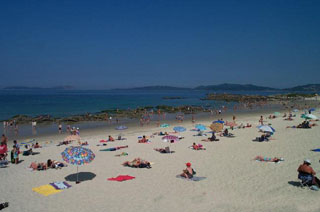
{"x":235,"y":182}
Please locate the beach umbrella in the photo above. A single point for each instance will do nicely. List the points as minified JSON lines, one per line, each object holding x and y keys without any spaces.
{"x":121,"y":127}
{"x":77,"y":155}
{"x":309,"y":116}
{"x":169,"y":138}
{"x":266,"y":128}
{"x":218,"y":121}
{"x":200,"y":127}
{"x":179,"y":129}
{"x":164,"y":125}
{"x":216,"y":127}
{"x":312,"y":109}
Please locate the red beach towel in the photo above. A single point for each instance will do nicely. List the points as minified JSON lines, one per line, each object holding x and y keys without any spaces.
{"x":121,"y":178}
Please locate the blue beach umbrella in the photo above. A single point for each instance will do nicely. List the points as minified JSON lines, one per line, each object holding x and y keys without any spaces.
{"x":266,"y":128}
{"x":312,"y":109}
{"x":218,"y":121}
{"x":179,"y":129}
{"x":200,"y":127}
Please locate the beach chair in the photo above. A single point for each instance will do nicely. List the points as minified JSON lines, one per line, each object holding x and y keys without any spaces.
{"x":305,"y":180}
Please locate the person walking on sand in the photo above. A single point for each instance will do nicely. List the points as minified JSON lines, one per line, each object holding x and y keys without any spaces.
{"x":261,"y":120}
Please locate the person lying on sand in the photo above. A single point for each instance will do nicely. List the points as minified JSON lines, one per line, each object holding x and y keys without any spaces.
{"x":266,"y":159}
{"x":38,"y":166}
{"x":188,"y":172}
{"x":64,"y":143}
{"x":163,"y":150}
{"x":138,"y":163}
{"x":114,"y":148}
{"x":198,"y":147}
{"x":122,"y":154}
{"x":83,"y":143}
{"x":53,"y":164}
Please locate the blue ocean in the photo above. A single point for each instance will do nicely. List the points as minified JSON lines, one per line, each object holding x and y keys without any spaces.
{"x":66,"y":103}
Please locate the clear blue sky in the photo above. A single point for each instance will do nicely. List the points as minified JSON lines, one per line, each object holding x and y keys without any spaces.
{"x":112,"y":44}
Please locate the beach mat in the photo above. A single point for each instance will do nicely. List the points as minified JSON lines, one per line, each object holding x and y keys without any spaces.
{"x":60,"y":185}
{"x":46,"y":190}
{"x":192,"y":179}
{"x":315,"y":150}
{"x":121,"y":178}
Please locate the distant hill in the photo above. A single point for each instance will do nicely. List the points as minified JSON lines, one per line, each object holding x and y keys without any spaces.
{"x":151,"y":88}
{"x":308,"y":87}
{"x":234,"y":87}
{"x":38,"y":88}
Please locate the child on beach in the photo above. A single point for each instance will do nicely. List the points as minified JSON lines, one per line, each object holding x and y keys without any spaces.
{"x":15,"y":155}
{"x":188,"y":172}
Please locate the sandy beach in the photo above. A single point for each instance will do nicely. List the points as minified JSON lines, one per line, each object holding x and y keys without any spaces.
{"x":233,"y":180}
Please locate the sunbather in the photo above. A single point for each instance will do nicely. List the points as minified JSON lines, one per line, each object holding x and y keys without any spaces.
{"x":212,"y":138}
{"x":122,"y":154}
{"x":64,"y":143}
{"x":266,"y":159}
{"x":188,"y":172}
{"x":143,"y":140}
{"x":110,"y":138}
{"x":28,"y":151}
{"x":114,"y":148}
{"x":55,"y":164}
{"x":198,"y":147}
{"x":36,"y":145}
{"x":138,"y":163}
{"x":226,"y":133}
{"x":163,"y":150}
{"x":262,"y":138}
{"x":38,"y":166}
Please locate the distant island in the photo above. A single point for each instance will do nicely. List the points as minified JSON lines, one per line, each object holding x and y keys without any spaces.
{"x":211,"y":88}
{"x":231,"y":87}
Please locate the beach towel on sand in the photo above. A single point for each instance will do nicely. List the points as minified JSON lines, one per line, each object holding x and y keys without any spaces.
{"x":316,"y":150}
{"x":191,"y":179}
{"x":46,"y":190}
{"x":121,"y":178}
{"x":60,"y":185}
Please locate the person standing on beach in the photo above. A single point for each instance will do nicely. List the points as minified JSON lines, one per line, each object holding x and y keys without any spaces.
{"x":4,"y":139}
{"x":60,"y":128}
{"x":261,"y":120}
{"x":234,"y":119}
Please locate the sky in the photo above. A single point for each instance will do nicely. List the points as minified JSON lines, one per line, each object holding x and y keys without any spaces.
{"x":122,"y":44}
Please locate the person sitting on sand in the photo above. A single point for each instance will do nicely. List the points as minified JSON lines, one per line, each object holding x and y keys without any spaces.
{"x":3,"y":150}
{"x":212,"y":138}
{"x":307,"y":174}
{"x":143,"y":140}
{"x":28,"y":151}
{"x":188,"y":172}
{"x":38,"y":166}
{"x":53,"y":164}
{"x":138,"y":163}
{"x":197,"y":147}
{"x":226,"y":133}
{"x":248,"y":125}
{"x":83,"y":143}
{"x":266,"y":159}
{"x":36,"y":145}
{"x":110,"y":138}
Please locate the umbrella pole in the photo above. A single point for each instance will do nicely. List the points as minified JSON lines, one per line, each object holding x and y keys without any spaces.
{"x":77,"y":176}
